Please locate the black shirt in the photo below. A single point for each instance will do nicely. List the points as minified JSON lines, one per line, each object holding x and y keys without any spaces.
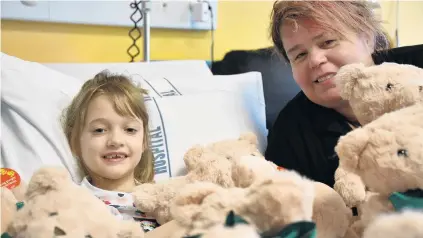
{"x":305,"y":134}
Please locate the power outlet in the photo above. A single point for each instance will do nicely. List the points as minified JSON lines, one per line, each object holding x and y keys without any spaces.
{"x":200,"y":11}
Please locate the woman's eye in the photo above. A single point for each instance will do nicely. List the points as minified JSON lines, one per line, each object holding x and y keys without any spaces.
{"x":299,"y":56}
{"x":329,"y":42}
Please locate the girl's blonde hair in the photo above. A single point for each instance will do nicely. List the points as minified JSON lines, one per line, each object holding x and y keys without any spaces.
{"x":336,"y":16}
{"x":128,"y":100}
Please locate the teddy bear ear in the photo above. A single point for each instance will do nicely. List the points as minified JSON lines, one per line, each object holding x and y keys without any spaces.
{"x":250,"y":137}
{"x":192,"y":155}
{"x":346,"y":78}
{"x":46,"y":179}
{"x":350,"y":147}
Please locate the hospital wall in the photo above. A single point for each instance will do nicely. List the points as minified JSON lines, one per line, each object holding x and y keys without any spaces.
{"x":241,"y":25}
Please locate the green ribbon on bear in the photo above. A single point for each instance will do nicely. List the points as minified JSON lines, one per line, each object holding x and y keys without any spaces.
{"x":409,"y":199}
{"x":6,"y":235}
{"x":301,"y":229}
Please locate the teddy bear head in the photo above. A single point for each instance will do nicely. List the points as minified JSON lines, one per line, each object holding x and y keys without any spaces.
{"x":204,"y":164}
{"x":386,"y":154}
{"x":214,"y":162}
{"x":246,"y":144}
{"x":54,"y":206}
{"x":375,"y":90}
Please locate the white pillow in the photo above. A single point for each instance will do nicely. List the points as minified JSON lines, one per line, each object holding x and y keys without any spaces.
{"x":32,"y":99}
{"x":178,"y":123}
{"x":248,"y":87}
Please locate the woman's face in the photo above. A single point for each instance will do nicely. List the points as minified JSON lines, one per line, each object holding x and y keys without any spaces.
{"x":316,"y":56}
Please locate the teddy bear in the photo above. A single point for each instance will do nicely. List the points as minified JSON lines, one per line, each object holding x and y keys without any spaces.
{"x":200,"y":207}
{"x":210,"y":163}
{"x":351,"y":147}
{"x":331,"y":215}
{"x":406,"y":223}
{"x":54,"y":206}
{"x":375,"y":90}
{"x":381,"y":165}
{"x":268,"y":205}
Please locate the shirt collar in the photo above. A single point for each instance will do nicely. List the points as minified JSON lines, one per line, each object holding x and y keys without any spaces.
{"x":328,"y":120}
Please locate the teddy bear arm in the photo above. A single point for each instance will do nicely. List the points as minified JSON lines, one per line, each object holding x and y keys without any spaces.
{"x":350,"y":186}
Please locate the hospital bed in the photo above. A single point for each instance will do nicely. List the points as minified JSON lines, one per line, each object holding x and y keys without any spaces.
{"x":187,"y":104}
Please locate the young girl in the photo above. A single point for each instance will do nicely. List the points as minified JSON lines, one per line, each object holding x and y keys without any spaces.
{"x":106,"y":126}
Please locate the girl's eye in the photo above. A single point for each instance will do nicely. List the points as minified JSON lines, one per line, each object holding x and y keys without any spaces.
{"x":99,"y":130}
{"x":131,"y":130}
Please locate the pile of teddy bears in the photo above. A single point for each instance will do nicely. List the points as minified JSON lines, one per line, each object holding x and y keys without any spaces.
{"x":231,"y":190}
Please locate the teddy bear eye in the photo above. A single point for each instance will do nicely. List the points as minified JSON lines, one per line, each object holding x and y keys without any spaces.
{"x":389,"y":86}
{"x":59,"y":232}
{"x":402,"y":152}
{"x":420,"y":88}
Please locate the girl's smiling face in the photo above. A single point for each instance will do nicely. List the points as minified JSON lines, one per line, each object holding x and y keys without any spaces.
{"x":111,"y":144}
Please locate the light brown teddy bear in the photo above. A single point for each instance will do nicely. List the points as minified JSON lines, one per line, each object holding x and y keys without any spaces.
{"x":268,"y":205}
{"x":54,"y":206}
{"x":404,"y":224}
{"x":331,"y":215}
{"x":371,"y":142}
{"x":200,"y":208}
{"x":210,"y":163}
{"x":375,"y":90}
{"x":386,"y":158}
